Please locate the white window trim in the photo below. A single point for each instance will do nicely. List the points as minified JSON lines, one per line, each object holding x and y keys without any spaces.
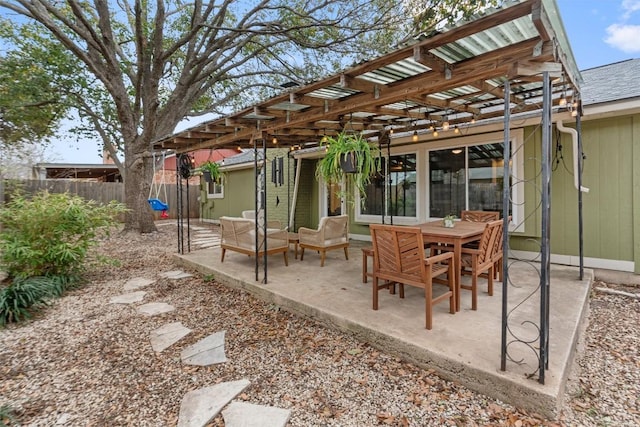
{"x":422,"y":166}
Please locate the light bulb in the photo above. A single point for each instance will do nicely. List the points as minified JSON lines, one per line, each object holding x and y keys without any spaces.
{"x":445,"y":126}
{"x":435,"y":133}
{"x":414,"y":137}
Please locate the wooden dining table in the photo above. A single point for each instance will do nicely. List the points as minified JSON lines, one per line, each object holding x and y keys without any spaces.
{"x":462,"y":232}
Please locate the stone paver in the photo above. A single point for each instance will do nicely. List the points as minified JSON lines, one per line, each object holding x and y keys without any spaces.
{"x":207,"y":351}
{"x":153,"y":308}
{"x":200,"y":406}
{"x":128,"y":298}
{"x":242,"y":414}
{"x":167,"y":335}
{"x":137,"y":283}
{"x":175,"y":274}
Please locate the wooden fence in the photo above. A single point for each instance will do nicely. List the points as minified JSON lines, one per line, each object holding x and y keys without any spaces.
{"x":104,"y":192}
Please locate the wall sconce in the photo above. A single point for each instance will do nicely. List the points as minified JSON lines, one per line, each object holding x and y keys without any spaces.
{"x":274,"y":140}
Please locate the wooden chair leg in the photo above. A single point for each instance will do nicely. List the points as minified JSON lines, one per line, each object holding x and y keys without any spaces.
{"x":474,"y":292}
{"x":374,"y":287}
{"x":223,"y":252}
{"x":346,"y":253}
{"x":286,"y":258}
{"x":490,"y":280}
{"x":364,"y":267}
{"x":428,"y":304}
{"x":323,"y":254}
{"x":301,"y":253}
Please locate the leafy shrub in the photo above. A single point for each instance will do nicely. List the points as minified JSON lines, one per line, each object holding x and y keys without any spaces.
{"x":51,"y":234}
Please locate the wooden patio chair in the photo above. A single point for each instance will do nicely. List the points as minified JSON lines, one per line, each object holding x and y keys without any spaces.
{"x":480,"y":261}
{"x":479,"y":216}
{"x":238,"y":235}
{"x":332,"y":233}
{"x":398,"y":258}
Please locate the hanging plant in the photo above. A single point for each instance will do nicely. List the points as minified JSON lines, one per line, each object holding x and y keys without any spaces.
{"x":349,"y":155}
{"x":211,"y":171}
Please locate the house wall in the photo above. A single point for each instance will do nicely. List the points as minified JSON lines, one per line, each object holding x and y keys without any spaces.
{"x":611,"y":229}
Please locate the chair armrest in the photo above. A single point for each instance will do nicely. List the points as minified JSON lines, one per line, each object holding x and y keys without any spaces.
{"x":438,"y":258}
{"x":307,"y":232}
{"x":471,"y":251}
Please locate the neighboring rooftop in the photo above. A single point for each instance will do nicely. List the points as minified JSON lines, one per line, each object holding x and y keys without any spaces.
{"x":611,"y":82}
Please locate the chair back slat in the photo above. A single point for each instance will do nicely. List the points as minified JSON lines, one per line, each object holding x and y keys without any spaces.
{"x":398,"y":252}
{"x":479,"y":216}
{"x":488,"y":241}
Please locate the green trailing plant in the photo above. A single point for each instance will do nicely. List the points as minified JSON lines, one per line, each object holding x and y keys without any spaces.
{"x":51,"y":234}
{"x":344,"y":144}
{"x":212,"y":169}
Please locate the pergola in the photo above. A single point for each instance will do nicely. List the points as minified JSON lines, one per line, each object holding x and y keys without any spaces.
{"x":512,"y":60}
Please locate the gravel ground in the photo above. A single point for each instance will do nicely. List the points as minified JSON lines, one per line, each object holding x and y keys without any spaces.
{"x":84,"y":362}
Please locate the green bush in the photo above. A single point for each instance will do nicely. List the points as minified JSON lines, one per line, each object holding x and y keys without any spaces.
{"x":51,"y":234}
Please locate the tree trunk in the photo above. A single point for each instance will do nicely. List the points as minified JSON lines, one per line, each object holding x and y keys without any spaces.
{"x":137,"y":181}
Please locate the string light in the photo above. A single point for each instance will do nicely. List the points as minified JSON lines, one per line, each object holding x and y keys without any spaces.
{"x":274,"y":140}
{"x":456,"y":130}
{"x":435,"y":133}
{"x":445,"y":124}
{"x":414,"y":137}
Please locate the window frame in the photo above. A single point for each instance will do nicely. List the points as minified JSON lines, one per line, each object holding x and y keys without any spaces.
{"x":423,"y":198}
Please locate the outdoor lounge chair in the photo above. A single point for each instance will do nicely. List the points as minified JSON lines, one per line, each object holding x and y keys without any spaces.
{"x":332,"y":233}
{"x":238,"y":234}
{"x":398,"y":258}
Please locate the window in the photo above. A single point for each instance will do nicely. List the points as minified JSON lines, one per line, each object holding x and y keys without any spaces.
{"x":466,"y":178}
{"x":394,"y":192}
{"x":215,"y":190}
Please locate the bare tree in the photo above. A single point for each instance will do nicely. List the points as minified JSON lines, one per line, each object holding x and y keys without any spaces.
{"x":147,"y":65}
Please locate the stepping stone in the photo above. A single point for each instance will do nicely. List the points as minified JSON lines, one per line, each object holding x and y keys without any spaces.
{"x":241,"y":414}
{"x":167,"y":335}
{"x":200,"y":406}
{"x":128,"y":298}
{"x":175,"y":274}
{"x":207,"y":351}
{"x":137,"y":283}
{"x":154,"y":308}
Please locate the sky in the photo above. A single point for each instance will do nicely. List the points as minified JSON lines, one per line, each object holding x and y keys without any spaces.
{"x":600,"y":32}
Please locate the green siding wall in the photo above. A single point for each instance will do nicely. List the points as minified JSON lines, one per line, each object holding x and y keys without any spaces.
{"x":611,"y":149}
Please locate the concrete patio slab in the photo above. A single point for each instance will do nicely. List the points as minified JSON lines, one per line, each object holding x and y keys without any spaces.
{"x":465,"y":347}
{"x":167,"y":335}
{"x":242,"y":414}
{"x":198,"y":407}
{"x":207,"y":351}
{"x":154,"y":308}
{"x":129,"y":298}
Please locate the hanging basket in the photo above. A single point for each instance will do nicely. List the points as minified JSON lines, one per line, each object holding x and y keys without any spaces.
{"x":207,"y":176}
{"x":349,"y":162}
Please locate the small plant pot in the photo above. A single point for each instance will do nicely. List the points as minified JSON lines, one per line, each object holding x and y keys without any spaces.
{"x":349,"y":162}
{"x":449,"y":223}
